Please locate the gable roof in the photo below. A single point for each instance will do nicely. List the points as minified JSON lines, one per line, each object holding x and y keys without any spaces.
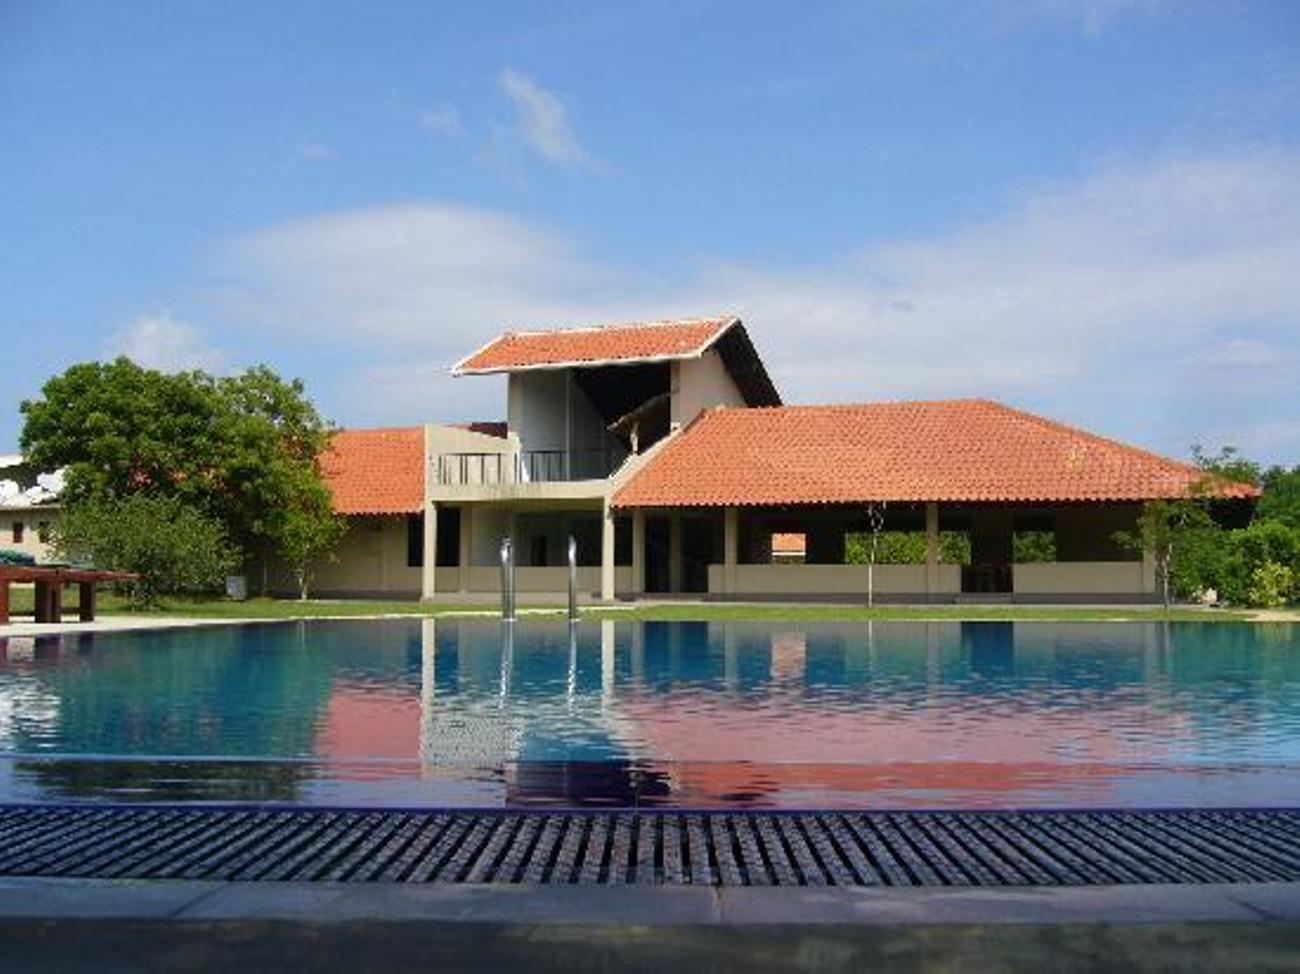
{"x":376,"y":471}
{"x":651,"y":341}
{"x":963,"y":450}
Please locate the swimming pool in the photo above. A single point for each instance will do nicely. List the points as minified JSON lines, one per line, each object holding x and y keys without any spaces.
{"x":471,"y":713}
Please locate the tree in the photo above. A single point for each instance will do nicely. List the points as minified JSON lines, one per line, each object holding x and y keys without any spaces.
{"x":121,"y":429}
{"x":1281,"y":498}
{"x":242,"y":449}
{"x":1160,"y":525}
{"x":305,"y":529}
{"x":876,"y":522}
{"x":1226,"y":465}
{"x":174,"y":548}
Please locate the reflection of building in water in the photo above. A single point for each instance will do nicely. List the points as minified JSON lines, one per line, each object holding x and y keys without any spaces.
{"x":487,"y":702}
{"x":789,"y":654}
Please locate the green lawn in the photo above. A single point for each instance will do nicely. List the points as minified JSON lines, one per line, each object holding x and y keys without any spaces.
{"x":289,"y":609}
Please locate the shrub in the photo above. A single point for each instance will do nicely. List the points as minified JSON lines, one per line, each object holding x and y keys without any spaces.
{"x":1271,"y":586}
{"x":174,"y":548}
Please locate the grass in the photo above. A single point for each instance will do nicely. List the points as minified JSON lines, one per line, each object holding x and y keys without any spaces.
{"x":215,"y":608}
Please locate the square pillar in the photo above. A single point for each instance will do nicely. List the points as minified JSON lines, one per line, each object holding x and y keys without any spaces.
{"x":429,"y":567}
{"x":932,"y":550}
{"x":675,"y":554}
{"x":638,"y":551}
{"x":607,"y":554}
{"x":730,"y":547}
{"x":466,"y":553}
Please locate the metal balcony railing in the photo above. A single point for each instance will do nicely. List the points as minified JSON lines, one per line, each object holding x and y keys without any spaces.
{"x":528,"y":466}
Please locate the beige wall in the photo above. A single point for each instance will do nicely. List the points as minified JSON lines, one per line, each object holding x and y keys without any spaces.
{"x":533,"y":581}
{"x":833,"y":579}
{"x":31,"y":519}
{"x":700,"y":384}
{"x":440,"y":440}
{"x":1080,"y":578}
{"x":371,"y":560}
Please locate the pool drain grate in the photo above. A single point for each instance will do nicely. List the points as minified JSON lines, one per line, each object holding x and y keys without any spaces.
{"x":655,"y":848}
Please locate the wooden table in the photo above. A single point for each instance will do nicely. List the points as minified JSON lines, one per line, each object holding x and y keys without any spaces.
{"x":49,"y":581}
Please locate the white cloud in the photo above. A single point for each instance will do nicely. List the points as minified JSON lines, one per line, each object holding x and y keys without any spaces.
{"x":1154,"y":301}
{"x":163,"y":341}
{"x":443,"y":120}
{"x":542,"y":122}
{"x":313,"y":150}
{"x":1093,"y":16}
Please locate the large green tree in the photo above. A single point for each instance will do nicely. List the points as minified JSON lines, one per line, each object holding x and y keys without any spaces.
{"x":1281,"y":498}
{"x":242,"y":449}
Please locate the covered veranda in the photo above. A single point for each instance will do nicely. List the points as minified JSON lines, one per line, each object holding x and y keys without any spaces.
{"x":927,"y":552}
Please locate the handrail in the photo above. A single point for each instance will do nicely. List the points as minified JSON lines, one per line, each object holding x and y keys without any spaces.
{"x":527,"y":466}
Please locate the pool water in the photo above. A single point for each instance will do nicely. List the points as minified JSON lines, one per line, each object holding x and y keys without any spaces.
{"x":473,"y":713}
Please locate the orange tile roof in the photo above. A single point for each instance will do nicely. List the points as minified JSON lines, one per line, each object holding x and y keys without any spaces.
{"x":955,"y":451}
{"x":376,"y":471}
{"x":635,"y":342}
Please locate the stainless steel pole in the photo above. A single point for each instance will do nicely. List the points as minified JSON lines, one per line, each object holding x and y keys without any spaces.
{"x":507,"y":580}
{"x":573,"y":579}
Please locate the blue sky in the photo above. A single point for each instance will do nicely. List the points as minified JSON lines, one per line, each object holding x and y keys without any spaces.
{"x":1089,"y":208}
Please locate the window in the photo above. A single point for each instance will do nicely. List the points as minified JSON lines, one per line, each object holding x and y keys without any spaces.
{"x":18,"y":532}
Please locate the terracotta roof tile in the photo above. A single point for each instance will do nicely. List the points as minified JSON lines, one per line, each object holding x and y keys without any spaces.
{"x":635,"y":342}
{"x":376,"y":471}
{"x":955,"y":451}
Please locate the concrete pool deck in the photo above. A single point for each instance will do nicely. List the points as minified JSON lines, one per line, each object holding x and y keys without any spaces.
{"x":96,"y":925}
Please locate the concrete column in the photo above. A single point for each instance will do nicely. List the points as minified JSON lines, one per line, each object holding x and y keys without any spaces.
{"x":429,"y":571}
{"x":607,"y":554}
{"x":932,"y":550}
{"x":675,"y":554}
{"x":466,"y":553}
{"x":730,"y":547}
{"x":638,"y":551}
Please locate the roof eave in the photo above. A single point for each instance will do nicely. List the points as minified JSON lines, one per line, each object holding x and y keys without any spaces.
{"x":460,"y":368}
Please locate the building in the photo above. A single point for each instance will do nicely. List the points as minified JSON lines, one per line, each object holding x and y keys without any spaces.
{"x":29,"y":508}
{"x":665,"y":451}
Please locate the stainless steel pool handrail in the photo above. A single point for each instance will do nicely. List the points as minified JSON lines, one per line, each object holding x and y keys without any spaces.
{"x":573,"y":579}
{"x":507,"y":580}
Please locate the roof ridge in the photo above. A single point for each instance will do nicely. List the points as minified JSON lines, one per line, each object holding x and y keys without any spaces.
{"x":720,"y":319}
{"x":407,"y":428}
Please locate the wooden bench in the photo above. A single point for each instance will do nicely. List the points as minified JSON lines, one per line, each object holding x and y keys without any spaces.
{"x":49,"y":581}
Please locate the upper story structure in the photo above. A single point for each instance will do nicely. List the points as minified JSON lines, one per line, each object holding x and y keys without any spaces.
{"x":580,"y":403}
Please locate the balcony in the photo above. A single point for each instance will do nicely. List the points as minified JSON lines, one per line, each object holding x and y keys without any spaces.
{"x":524,"y":467}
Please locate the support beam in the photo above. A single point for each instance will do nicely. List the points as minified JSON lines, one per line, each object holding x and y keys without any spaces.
{"x":86,"y":602}
{"x":932,"y":550}
{"x":638,"y":551}
{"x":730,"y":547}
{"x":675,"y":554}
{"x":466,"y":553}
{"x":607,"y":554}
{"x":429,"y":570}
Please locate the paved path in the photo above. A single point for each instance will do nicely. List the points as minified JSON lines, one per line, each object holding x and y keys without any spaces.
{"x":94,"y":926}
